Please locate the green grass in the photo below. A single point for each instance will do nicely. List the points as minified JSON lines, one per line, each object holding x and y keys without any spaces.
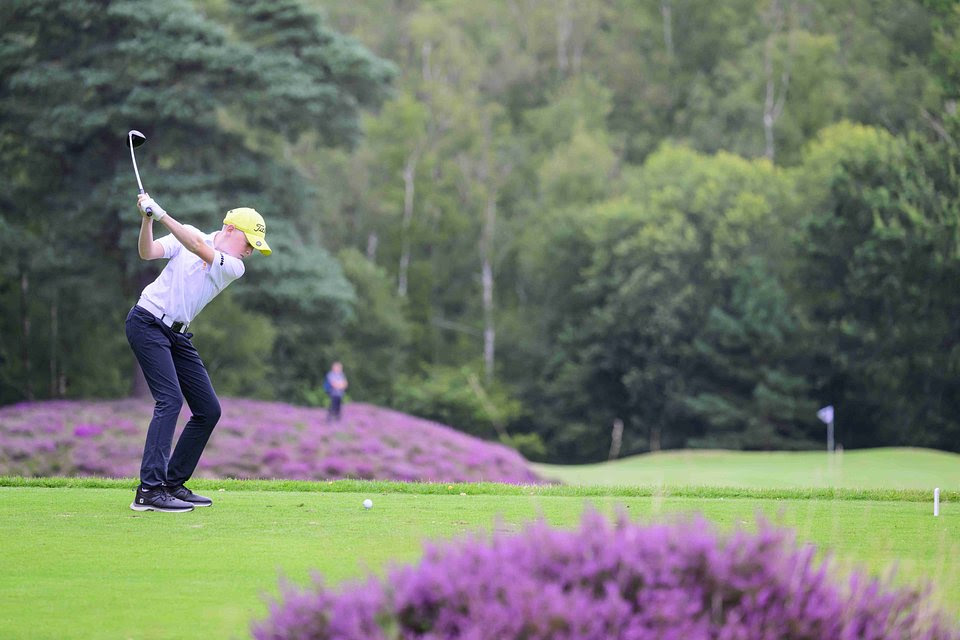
{"x":77,"y":563}
{"x":492,"y":488}
{"x":889,"y":468}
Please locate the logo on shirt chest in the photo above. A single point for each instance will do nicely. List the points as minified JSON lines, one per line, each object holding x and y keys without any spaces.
{"x":198,"y":265}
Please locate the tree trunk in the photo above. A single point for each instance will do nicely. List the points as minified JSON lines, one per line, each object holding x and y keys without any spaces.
{"x":54,"y":329}
{"x":425,"y":51}
{"x":486,"y":248}
{"x":667,"y":12}
{"x":409,"y":175}
{"x":25,"y":330}
{"x":654,"y":439}
{"x":773,"y":103}
{"x":372,"y":241}
{"x":564,"y":31}
{"x":616,"y":439}
{"x":489,"y":330}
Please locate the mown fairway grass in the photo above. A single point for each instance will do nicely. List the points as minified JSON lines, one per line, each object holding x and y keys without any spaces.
{"x":888,"y":468}
{"x":77,"y":563}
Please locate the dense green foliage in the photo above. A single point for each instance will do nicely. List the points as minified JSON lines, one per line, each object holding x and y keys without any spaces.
{"x":702,"y":220}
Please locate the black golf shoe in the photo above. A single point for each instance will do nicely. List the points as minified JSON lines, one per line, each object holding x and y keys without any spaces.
{"x":158,"y":499}
{"x":182,"y":493}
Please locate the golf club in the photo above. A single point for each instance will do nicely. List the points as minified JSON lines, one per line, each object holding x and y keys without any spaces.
{"x":134,"y":140}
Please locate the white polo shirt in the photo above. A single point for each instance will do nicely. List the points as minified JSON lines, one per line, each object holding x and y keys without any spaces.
{"x":187,"y":283}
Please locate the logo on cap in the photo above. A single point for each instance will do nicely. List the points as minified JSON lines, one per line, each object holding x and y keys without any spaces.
{"x":251,"y":224}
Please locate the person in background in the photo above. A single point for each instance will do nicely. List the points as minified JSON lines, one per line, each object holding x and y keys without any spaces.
{"x":335,"y":384}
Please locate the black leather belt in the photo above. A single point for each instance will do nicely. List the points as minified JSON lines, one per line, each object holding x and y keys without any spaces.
{"x":176,"y":326}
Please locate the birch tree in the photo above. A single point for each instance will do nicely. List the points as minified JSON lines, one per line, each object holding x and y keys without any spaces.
{"x":775,"y":96}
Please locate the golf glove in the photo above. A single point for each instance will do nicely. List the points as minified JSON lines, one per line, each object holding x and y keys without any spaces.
{"x":157,"y":212}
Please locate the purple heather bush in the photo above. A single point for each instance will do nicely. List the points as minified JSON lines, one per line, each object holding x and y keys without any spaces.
{"x":253,"y":440}
{"x":622,"y":580}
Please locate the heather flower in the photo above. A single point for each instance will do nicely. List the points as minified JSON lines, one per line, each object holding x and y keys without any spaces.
{"x":677,"y":581}
{"x":87,"y":430}
{"x":253,"y":440}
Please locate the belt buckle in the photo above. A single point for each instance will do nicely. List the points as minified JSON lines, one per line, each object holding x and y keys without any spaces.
{"x":178,"y":327}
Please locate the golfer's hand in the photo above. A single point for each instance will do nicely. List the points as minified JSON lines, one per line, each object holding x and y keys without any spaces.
{"x":144,"y":202}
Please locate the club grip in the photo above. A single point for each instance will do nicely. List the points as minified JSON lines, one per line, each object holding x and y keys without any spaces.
{"x":148,"y":210}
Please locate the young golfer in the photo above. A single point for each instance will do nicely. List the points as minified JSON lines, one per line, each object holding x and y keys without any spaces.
{"x":200,"y":266}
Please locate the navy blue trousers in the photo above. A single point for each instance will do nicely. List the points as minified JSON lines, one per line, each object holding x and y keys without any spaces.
{"x":174,"y":372}
{"x":334,"y":412}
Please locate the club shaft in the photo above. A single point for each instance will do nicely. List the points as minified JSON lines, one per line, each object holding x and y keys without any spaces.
{"x":136,"y":171}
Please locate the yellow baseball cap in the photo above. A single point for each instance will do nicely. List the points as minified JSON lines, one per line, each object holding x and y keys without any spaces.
{"x":252,"y":225}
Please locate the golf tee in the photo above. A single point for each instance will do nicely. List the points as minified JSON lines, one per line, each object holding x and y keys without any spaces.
{"x":936,"y":502}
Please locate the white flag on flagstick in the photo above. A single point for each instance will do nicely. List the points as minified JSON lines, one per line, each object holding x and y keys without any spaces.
{"x":826,"y":414}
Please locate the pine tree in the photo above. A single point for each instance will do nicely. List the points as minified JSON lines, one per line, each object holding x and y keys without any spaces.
{"x":76,"y":75}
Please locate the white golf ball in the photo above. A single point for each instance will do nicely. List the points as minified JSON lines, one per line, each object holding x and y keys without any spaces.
{"x":367,"y":503}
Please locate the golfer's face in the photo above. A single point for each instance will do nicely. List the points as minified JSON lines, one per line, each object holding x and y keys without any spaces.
{"x":237,"y":244}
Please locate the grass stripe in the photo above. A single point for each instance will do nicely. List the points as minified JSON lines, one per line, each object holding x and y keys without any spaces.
{"x":493,"y":488}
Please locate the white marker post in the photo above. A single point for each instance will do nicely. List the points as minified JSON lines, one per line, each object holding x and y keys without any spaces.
{"x":936,"y":502}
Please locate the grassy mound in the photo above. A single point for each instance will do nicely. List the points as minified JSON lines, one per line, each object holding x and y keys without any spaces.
{"x":884,"y":468}
{"x":253,"y":440}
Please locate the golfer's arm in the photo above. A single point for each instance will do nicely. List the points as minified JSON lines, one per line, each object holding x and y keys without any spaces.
{"x":149,"y":248}
{"x":191,"y":240}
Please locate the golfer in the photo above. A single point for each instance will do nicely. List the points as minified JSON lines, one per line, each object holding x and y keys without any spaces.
{"x":200,"y":266}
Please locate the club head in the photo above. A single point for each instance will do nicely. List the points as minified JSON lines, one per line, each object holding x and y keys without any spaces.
{"x":135,"y":138}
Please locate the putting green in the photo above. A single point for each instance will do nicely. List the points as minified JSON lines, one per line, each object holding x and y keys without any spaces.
{"x":886,"y":468}
{"x":77,"y":563}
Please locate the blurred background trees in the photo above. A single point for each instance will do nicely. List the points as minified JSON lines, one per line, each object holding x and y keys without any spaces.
{"x":532,"y":218}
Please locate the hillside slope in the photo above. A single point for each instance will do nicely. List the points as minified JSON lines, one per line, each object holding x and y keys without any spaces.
{"x":883,"y":468}
{"x":254,"y":439}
